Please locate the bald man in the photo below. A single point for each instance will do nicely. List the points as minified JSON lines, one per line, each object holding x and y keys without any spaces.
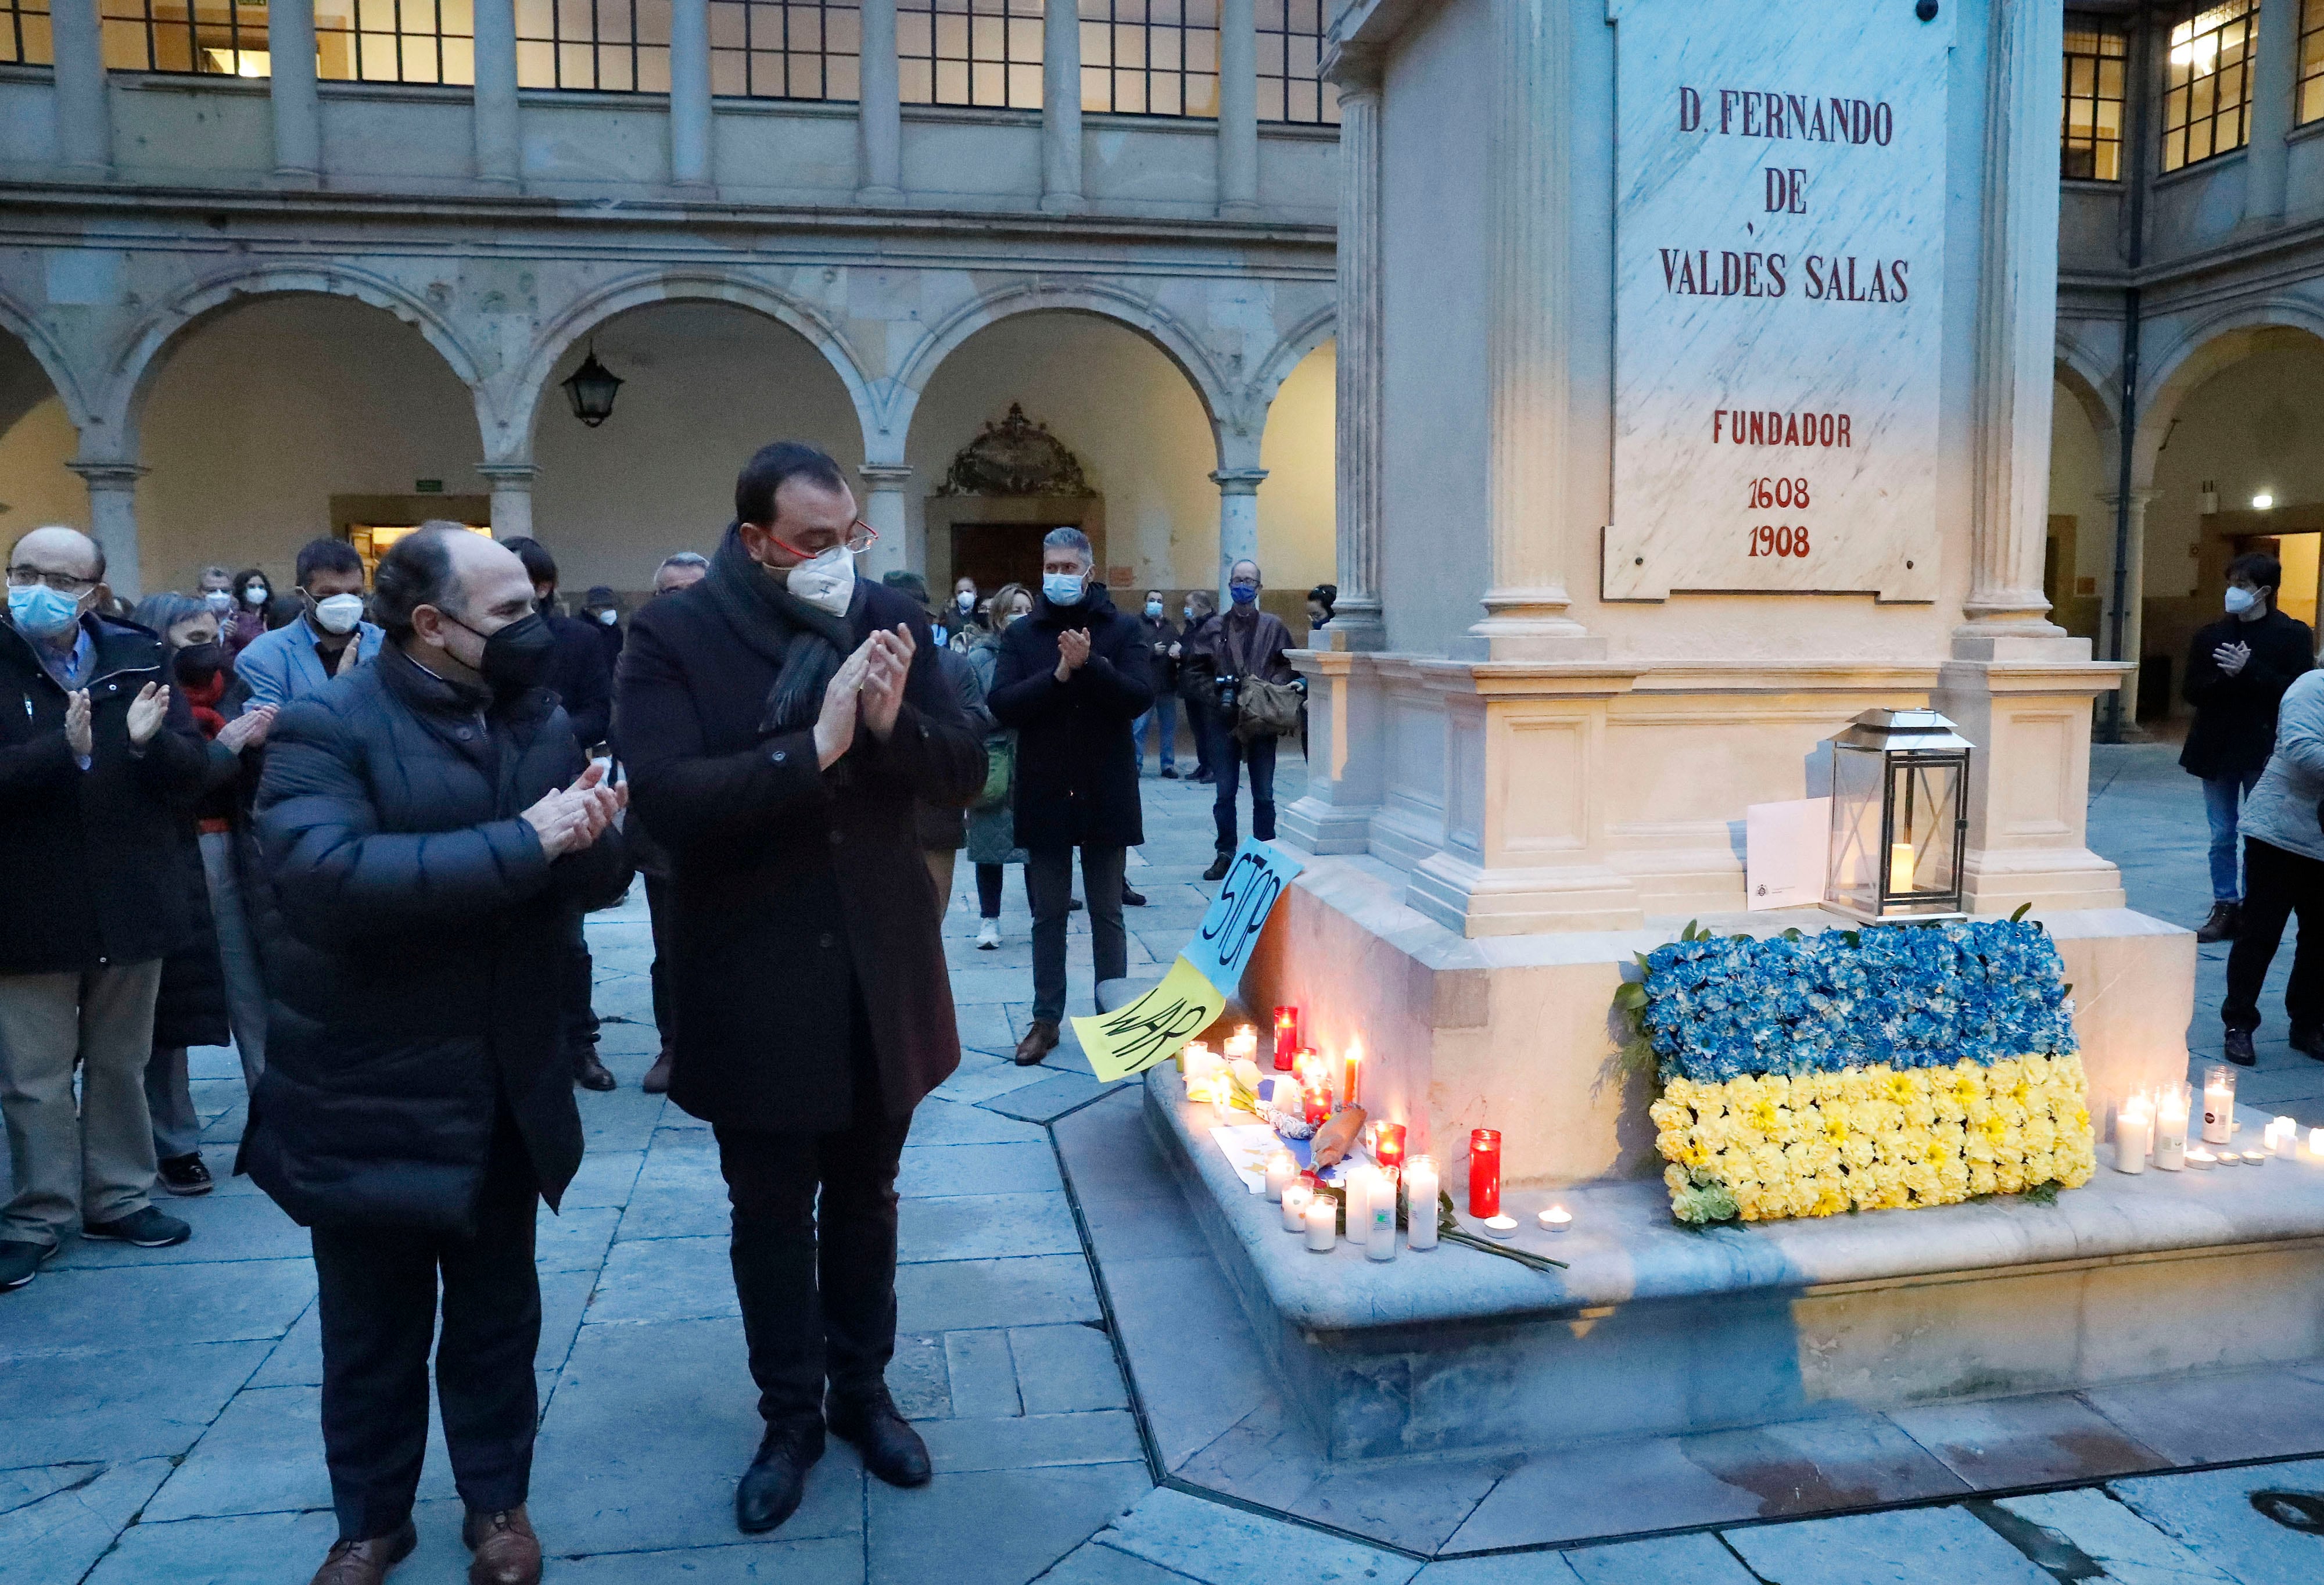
{"x":97,"y":754}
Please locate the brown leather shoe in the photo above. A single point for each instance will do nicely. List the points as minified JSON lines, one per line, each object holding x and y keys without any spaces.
{"x":366,"y":1562}
{"x":1039,"y":1041}
{"x":657,"y":1080}
{"x":507,"y":1551}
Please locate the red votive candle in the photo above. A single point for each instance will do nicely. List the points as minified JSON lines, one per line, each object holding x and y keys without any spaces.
{"x":1319,"y":1104}
{"x":1286,"y":1037}
{"x":1484,"y":1172}
{"x":1387,"y":1145}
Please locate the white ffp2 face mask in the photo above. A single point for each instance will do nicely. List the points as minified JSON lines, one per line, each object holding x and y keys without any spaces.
{"x":826,"y":582}
{"x":339,"y":613}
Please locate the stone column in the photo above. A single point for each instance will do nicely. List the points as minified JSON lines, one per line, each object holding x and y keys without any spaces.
{"x":499,"y":156}
{"x":291,"y":86}
{"x":1528,"y":462}
{"x":1237,"y":110}
{"x":511,"y":485}
{"x":1238,"y":519}
{"x":2133,"y":594}
{"x":2274,"y":79}
{"x":84,"y":116}
{"x":879,"y":115}
{"x":2016,"y":329}
{"x":113,"y":520}
{"x":689,"y":93}
{"x":1356,"y":622}
{"x":1061,"y":109}
{"x":884,"y":484}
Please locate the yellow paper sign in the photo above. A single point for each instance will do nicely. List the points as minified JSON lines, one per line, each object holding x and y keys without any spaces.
{"x":1130,"y":1040}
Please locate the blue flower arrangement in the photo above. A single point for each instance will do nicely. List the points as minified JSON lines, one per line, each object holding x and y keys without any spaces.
{"x":1714,"y":1008}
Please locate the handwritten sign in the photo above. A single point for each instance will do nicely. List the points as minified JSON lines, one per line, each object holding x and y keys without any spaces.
{"x":1229,"y":931}
{"x":1130,"y":1040}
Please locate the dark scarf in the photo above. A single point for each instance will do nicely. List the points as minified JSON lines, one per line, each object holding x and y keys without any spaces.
{"x":806,"y":642}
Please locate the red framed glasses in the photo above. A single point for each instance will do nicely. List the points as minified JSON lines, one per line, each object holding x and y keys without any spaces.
{"x":859,"y":536}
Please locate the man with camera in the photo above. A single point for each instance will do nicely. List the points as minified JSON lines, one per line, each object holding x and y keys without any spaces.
{"x":1244,"y":649}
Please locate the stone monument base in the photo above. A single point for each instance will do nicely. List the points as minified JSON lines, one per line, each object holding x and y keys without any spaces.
{"x":1660,"y":1330}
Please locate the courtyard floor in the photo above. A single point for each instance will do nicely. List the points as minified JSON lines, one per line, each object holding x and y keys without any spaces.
{"x":158,"y":1408}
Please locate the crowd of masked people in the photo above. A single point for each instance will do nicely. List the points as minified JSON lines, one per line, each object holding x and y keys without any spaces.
{"x":353,"y":830}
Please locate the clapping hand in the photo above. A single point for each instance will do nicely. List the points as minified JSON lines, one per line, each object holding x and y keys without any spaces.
{"x":248,"y":730}
{"x":147,"y":713}
{"x":350,"y":654}
{"x":79,"y":736}
{"x":572,"y":817}
{"x":2231,"y":658}
{"x":888,"y":664}
{"x":834,"y":728}
{"x":1072,"y":651}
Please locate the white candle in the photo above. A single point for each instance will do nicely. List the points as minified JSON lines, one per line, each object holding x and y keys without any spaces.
{"x":2200,"y":1159}
{"x":1420,"y":1202}
{"x":2218,"y":1105}
{"x":1556,"y":1220}
{"x":1380,"y":1239}
{"x":1361,"y":1184}
{"x":1322,"y":1216}
{"x":1296,"y":1197}
{"x":2316,"y":1144}
{"x":2170,"y":1129}
{"x":1282,"y":1172}
{"x":2133,"y":1130}
{"x":2287,"y":1136}
{"x":1900,"y":867}
{"x":1501,"y":1227}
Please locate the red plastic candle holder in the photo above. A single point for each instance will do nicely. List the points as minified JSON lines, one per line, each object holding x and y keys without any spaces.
{"x":1484,"y":1172}
{"x":1286,"y":1037}
{"x":1319,"y":1104}
{"x":1387,"y":1145}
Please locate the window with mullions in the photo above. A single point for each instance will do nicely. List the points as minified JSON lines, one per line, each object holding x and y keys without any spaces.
{"x":24,"y":33}
{"x":1290,"y":53}
{"x":2207,"y":83}
{"x":785,"y":49}
{"x":611,"y":46}
{"x":395,"y":41}
{"x":1151,"y":57}
{"x":217,"y":37}
{"x":2310,"y":105}
{"x":984,"y":52}
{"x":2089,"y":145}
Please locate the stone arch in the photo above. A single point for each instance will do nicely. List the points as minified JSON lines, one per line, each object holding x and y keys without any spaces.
{"x":2083,"y":380}
{"x":899,"y":394}
{"x":1287,"y":355}
{"x":509,"y":432}
{"x":2197,"y":353}
{"x":63,"y":378}
{"x":145,"y":349}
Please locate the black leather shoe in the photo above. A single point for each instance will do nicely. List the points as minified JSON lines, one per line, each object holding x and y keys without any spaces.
{"x":771,"y":1487}
{"x":2239,"y":1048}
{"x":1133,"y":900}
{"x":590,"y":1073}
{"x":891,"y":1449}
{"x":1218,"y":869}
{"x":2225,"y":918}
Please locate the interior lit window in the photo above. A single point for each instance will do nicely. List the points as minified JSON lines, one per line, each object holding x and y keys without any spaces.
{"x":1150,"y":57}
{"x":2309,"y":106}
{"x":2207,"y":83}
{"x":2090,"y":144}
{"x":611,"y":46}
{"x":785,"y":49}
{"x":984,"y":52}
{"x":24,"y":33}
{"x":1290,"y":54}
{"x":395,"y":41}
{"x":219,"y":37}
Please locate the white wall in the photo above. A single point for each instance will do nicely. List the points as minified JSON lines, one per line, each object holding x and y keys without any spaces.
{"x":1297,"y":538}
{"x":34,"y":487}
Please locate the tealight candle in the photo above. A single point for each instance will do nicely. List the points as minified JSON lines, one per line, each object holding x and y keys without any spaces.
{"x":1322,"y":1224}
{"x":1387,"y":1144}
{"x":1379,"y":1238}
{"x":1556,"y":1220}
{"x":1485,"y":1172}
{"x":1286,"y":1037}
{"x":1297,"y":1197}
{"x":2218,"y":1104}
{"x":1501,"y":1227}
{"x":2200,"y":1159}
{"x":2170,"y":1129}
{"x":1420,"y":1192}
{"x":1282,"y":1172}
{"x":2134,"y":1129}
{"x":2255,"y":1158}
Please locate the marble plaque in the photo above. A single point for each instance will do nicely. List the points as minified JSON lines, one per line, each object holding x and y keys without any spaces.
{"x":1779,"y":242}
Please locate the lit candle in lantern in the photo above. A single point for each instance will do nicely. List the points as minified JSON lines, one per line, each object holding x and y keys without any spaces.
{"x":1296,"y":1195}
{"x":2133,"y":1130}
{"x":1387,"y":1144}
{"x":2218,"y":1104}
{"x":1900,"y":867}
{"x":1484,"y":1172}
{"x":1322,"y":1224}
{"x":1556,"y":1220}
{"x":1282,"y":1172}
{"x":2170,"y":1129}
{"x":1420,"y":1191}
{"x":1286,"y":1037}
{"x":1351,"y":1090}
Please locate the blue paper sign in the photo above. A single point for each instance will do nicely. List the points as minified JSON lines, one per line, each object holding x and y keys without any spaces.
{"x":1229,"y":931}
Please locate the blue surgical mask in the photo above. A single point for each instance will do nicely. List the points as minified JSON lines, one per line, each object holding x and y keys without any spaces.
{"x":1154,"y":608}
{"x":2240,"y":601}
{"x":41,"y":612}
{"x":1063,"y":589}
{"x":1244,"y":594}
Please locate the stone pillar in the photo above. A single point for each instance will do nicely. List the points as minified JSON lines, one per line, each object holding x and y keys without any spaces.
{"x":511,"y":485}
{"x":884,"y":484}
{"x":1528,"y":306}
{"x":1238,"y":519}
{"x":689,"y":93}
{"x":2275,"y":80}
{"x":499,"y":155}
{"x":1356,"y":622}
{"x":84,"y":115}
{"x":290,"y":87}
{"x":113,"y":520}
{"x":1237,"y":110}
{"x":2016,"y":328}
{"x":879,"y":115}
{"x":2133,"y":594}
{"x":1334,"y":814}
{"x":1061,"y":109}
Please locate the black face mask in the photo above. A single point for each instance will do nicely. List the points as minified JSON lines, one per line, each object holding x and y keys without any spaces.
{"x":515,"y":657}
{"x":197,"y":664}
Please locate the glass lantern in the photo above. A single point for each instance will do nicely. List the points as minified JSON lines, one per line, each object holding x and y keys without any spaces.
{"x":1899,"y":816}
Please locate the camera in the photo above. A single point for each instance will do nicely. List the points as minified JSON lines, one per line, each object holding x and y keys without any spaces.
{"x":1229,"y":686}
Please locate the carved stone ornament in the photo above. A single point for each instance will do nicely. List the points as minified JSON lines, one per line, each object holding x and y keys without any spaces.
{"x":1015,"y":456}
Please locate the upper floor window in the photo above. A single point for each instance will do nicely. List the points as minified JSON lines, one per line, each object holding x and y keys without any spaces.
{"x":24,"y":33}
{"x":1290,"y":54}
{"x":395,"y":41}
{"x":786,"y":48}
{"x":2207,"y":83}
{"x":1152,"y":57}
{"x":2309,"y":106}
{"x":2089,"y":142}
{"x":227,"y":38}
{"x":984,"y":52}
{"x":614,"y":46}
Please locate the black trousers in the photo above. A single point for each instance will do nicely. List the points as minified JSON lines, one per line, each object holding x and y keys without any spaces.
{"x":661,"y":907}
{"x":988,"y":889}
{"x":580,"y":1017}
{"x":817,"y":1277}
{"x":1049,"y":878}
{"x":378,"y":1296}
{"x":2277,"y":884}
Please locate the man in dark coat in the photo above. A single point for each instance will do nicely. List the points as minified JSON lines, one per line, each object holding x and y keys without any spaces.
{"x":429,"y":827}
{"x":2237,"y":671}
{"x":1162,"y":645}
{"x":781,"y":719}
{"x":99,"y":760}
{"x":1242,"y":643}
{"x":1073,"y":675}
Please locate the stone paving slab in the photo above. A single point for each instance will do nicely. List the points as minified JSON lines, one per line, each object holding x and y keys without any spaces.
{"x":2211,"y":1513}
{"x":992,"y":1527}
{"x":61,"y":1534}
{"x":959,"y":1227}
{"x":1909,"y":1547}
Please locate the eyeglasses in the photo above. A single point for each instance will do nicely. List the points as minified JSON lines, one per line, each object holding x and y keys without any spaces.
{"x":64,"y":583}
{"x":859,"y":536}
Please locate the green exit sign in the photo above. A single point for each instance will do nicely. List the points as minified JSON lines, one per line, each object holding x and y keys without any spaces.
{"x":429,"y":486}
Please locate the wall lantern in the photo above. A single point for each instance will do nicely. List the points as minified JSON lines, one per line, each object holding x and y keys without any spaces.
{"x":590,"y":389}
{"x":1899,"y":816}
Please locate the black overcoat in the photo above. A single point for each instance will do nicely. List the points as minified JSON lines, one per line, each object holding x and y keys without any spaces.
{"x":1077,"y":765}
{"x":95,"y":859}
{"x":414,"y":941}
{"x":2234,"y":716}
{"x":796,"y":890}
